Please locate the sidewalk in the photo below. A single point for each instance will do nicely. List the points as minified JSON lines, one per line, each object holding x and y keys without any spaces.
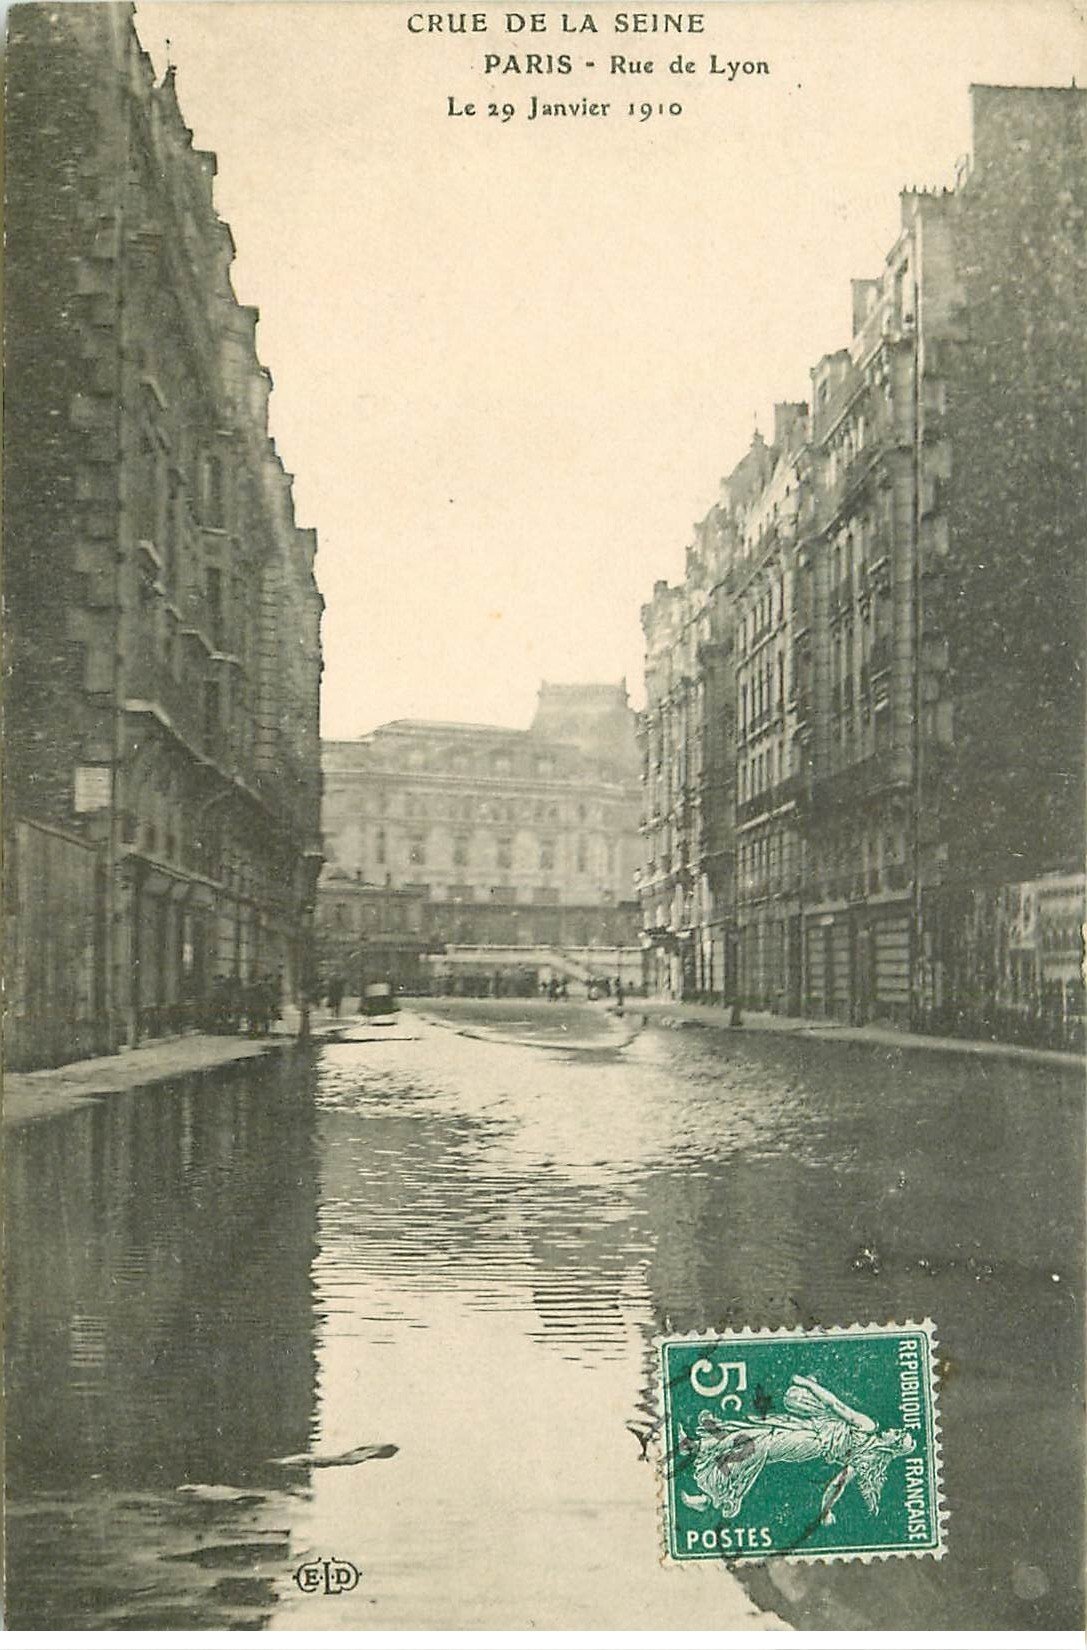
{"x":661,"y":1011}
{"x":32,"y":1094}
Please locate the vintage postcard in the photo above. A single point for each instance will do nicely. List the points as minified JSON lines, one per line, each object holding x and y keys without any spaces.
{"x":544,"y":632}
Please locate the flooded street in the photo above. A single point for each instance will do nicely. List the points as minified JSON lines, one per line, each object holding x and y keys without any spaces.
{"x":462,"y":1247}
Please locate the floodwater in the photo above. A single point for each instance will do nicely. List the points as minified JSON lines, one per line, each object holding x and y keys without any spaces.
{"x":463,"y":1249}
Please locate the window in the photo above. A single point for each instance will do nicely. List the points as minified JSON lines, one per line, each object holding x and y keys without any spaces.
{"x":417,"y":851}
{"x":547,"y":856}
{"x":505,"y":853}
{"x":173,"y":548}
{"x":211,"y":497}
{"x":903,"y":297}
{"x":146,"y":491}
{"x":212,"y":712}
{"x":582,"y":854}
{"x":379,"y":845}
{"x":460,"y":850}
{"x":213,"y":592}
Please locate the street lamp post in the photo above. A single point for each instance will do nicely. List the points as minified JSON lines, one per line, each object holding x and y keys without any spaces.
{"x":310,"y":865}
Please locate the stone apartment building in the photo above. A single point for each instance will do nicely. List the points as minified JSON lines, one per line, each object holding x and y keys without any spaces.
{"x":902,"y":594}
{"x":447,"y":834}
{"x":163,"y":620}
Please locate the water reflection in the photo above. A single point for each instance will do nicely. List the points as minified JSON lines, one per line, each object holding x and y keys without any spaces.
{"x":465,"y":1250}
{"x":582,"y":1205}
{"x":160,"y":1333}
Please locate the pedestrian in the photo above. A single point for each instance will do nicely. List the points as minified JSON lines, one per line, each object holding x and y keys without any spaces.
{"x":217,"y":1015}
{"x":235,"y":992}
{"x":254,"y":1006}
{"x":273,"y":997}
{"x":618,"y":993}
{"x":335,"y":993}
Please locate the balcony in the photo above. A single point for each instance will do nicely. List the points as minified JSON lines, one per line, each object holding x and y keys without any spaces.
{"x":148,"y":679}
{"x":773,"y":797}
{"x":886,"y":770}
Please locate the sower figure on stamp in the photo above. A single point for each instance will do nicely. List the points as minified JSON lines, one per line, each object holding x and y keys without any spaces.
{"x":730,"y":1455}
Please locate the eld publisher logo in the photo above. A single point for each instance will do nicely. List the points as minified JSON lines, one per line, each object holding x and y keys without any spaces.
{"x":327,"y":1575}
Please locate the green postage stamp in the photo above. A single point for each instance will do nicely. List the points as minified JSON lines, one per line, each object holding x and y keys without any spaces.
{"x":801,"y":1444}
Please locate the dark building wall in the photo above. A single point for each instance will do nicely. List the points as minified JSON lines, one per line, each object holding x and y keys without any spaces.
{"x":1011,"y":596}
{"x":162,"y":617}
{"x":929,"y":603}
{"x":60,"y":469}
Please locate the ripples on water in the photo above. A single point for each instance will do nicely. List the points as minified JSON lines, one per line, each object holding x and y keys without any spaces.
{"x":465,"y":1250}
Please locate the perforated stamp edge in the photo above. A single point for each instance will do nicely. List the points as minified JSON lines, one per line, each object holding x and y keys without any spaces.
{"x":907,"y":1326}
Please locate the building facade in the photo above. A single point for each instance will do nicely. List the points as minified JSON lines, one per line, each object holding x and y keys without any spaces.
{"x":898,"y":587}
{"x":163,"y":619}
{"x":439,"y":835}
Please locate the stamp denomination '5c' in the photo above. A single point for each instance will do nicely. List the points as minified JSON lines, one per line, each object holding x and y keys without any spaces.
{"x":801,"y":1444}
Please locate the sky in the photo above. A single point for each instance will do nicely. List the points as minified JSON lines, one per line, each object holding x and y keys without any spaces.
{"x":513,"y":358}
